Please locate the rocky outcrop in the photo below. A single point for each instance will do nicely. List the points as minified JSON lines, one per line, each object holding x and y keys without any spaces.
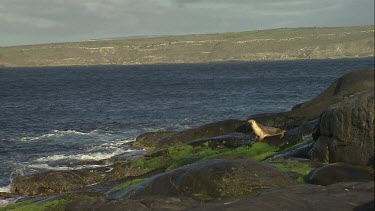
{"x":341,"y":172}
{"x":205,"y":131}
{"x":343,"y":88}
{"x":147,"y":140}
{"x":341,"y":196}
{"x":211,"y":179}
{"x":347,"y":132}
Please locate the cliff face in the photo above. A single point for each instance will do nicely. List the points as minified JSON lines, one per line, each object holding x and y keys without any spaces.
{"x":275,"y":44}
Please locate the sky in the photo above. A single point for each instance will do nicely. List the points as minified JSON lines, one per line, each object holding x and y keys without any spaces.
{"x":45,"y":21}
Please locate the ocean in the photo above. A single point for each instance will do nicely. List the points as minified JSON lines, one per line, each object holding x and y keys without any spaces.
{"x":53,"y":117}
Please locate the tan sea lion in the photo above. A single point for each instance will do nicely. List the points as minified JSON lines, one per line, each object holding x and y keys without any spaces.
{"x":265,"y":131}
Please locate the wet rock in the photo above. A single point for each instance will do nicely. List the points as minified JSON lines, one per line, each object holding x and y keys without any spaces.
{"x":341,"y":196}
{"x":53,"y":182}
{"x":148,"y":140}
{"x":230,"y":140}
{"x":129,"y":155}
{"x":6,"y":195}
{"x":347,"y":132}
{"x":202,"y":132}
{"x":125,"y":170}
{"x":211,"y":179}
{"x":151,"y":203}
{"x":343,"y":88}
{"x":205,"y":131}
{"x":341,"y":172}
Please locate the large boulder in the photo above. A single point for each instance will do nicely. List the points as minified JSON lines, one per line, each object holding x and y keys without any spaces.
{"x":147,"y":140}
{"x":346,"y":86}
{"x":347,"y":132}
{"x":341,"y":196}
{"x":341,"y":172}
{"x":211,"y":179}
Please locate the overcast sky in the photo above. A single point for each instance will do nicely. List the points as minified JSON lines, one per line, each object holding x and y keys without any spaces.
{"x":44,"y":21}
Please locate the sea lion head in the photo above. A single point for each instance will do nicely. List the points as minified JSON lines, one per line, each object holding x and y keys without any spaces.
{"x":251,"y":122}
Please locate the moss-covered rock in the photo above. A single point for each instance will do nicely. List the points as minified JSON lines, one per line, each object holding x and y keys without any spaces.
{"x":298,"y":169}
{"x":53,"y":182}
{"x":48,"y":204}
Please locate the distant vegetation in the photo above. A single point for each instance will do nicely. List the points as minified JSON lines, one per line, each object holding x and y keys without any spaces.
{"x":274,"y":44}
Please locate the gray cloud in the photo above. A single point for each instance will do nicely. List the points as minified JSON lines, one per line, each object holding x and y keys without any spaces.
{"x":43,"y":21}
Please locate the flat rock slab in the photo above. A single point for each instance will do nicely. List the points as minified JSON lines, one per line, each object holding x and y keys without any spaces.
{"x":229,"y":140}
{"x":154,"y":203}
{"x":341,"y":196}
{"x":211,"y":179}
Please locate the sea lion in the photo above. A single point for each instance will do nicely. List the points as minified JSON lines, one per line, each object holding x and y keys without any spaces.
{"x":265,"y":131}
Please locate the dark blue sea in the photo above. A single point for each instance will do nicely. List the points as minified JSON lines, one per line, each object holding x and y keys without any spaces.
{"x":53,"y":116}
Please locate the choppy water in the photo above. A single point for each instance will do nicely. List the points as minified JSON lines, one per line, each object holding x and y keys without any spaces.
{"x":53,"y":116}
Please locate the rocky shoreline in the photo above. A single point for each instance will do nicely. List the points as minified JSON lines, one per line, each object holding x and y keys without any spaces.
{"x":325,"y":161}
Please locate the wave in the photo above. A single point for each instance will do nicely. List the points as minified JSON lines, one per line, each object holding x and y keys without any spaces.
{"x":4,"y":202}
{"x":85,"y":156}
{"x":6,"y":189}
{"x":44,"y":166}
{"x":62,"y":133}
{"x":54,"y":134}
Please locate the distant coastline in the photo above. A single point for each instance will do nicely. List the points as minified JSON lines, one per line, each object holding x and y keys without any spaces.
{"x":260,"y":45}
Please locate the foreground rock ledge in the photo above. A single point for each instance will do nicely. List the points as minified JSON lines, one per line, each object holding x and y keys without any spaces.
{"x":211,"y":179}
{"x":341,"y":196}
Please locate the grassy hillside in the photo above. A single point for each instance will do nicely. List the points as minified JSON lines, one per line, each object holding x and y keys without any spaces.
{"x":274,"y":44}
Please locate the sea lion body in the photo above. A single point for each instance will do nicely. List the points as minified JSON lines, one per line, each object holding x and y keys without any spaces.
{"x":265,"y":131}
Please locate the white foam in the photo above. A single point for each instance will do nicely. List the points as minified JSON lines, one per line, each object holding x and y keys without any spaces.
{"x":4,"y":202}
{"x":85,"y":156}
{"x":54,"y":134}
{"x":6,"y":188}
{"x":45,"y":166}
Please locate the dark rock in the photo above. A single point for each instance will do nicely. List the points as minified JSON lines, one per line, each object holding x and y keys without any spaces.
{"x":229,"y":140}
{"x":205,"y":131}
{"x":6,"y":195}
{"x":302,"y":151}
{"x":341,"y":172}
{"x":151,"y":203}
{"x":125,"y":170}
{"x":147,"y":140}
{"x":341,"y":196}
{"x":129,"y":155}
{"x":301,"y":133}
{"x":211,"y":179}
{"x":53,"y":182}
{"x":343,"y":88}
{"x":347,"y":132}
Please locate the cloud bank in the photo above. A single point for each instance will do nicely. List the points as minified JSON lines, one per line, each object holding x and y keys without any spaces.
{"x":44,"y":21}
